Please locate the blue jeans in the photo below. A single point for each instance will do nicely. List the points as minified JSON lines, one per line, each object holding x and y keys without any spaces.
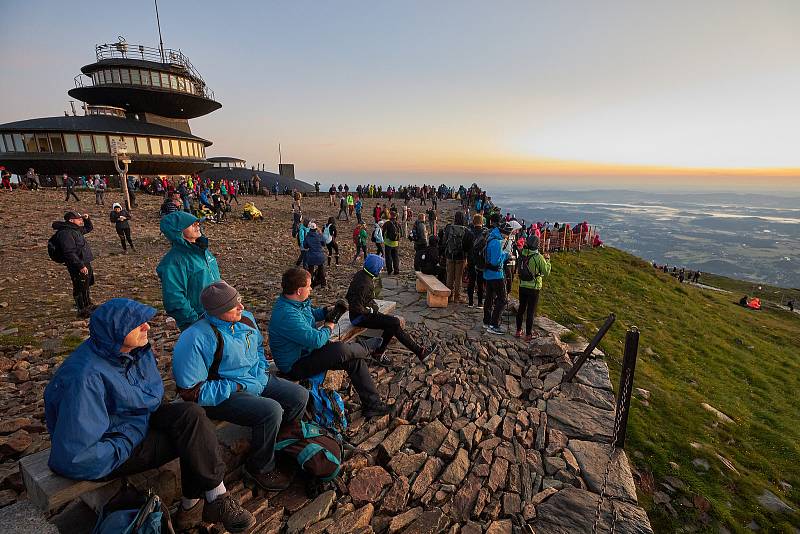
{"x":280,"y":402}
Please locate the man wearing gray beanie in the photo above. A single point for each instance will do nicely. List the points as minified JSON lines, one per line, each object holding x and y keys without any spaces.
{"x":219,"y":363}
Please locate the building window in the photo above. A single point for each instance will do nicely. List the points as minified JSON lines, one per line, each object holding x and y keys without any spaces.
{"x":193,"y":149}
{"x":155,"y":78}
{"x":9,"y":142}
{"x":181,"y":84}
{"x":165,"y":148}
{"x":141,"y":145}
{"x":71,"y":142}
{"x":155,"y":146}
{"x":2,"y":144}
{"x":135,"y":79}
{"x":86,"y":143}
{"x":176,"y":151}
{"x":165,"y":80}
{"x":114,"y":75}
{"x":100,"y":143}
{"x":131,"y":142}
{"x":107,"y":74}
{"x":125,"y":76}
{"x":184,"y":149}
{"x":56,"y":143}
{"x":30,"y":143}
{"x":18,"y":142}
{"x":173,"y":81}
{"x":145,"y":77}
{"x":43,"y":143}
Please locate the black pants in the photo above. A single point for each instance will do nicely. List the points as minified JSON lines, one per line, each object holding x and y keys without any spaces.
{"x":179,"y":430}
{"x":495,"y":301}
{"x":342,"y":211}
{"x":418,"y":258}
{"x":350,"y":357}
{"x":317,"y":275}
{"x":528,"y":301}
{"x":392,"y":260}
{"x":80,"y":287}
{"x":379,"y":249}
{"x":125,"y":234}
{"x":71,"y":191}
{"x":99,"y":197}
{"x":391,"y":328}
{"x":475,"y":278}
{"x":333,"y":250}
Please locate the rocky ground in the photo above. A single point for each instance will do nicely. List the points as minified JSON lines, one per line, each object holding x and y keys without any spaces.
{"x":483,"y":437}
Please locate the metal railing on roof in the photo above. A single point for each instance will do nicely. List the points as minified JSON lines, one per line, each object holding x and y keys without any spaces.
{"x":174,"y":58}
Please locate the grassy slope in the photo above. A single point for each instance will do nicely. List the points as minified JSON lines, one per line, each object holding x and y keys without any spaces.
{"x":696,"y":346}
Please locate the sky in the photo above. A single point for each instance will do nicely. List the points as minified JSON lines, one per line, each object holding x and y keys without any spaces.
{"x":619,"y":93}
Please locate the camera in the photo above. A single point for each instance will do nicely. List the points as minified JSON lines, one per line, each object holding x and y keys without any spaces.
{"x":335,"y":313}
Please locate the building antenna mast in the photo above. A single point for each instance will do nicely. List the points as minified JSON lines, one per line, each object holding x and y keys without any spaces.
{"x":160,"y":41}
{"x":280,"y":158}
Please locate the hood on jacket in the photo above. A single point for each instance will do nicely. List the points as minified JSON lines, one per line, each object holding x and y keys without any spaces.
{"x":113,"y":320}
{"x":173,"y":224}
{"x":373,"y":264}
{"x":65,"y":225}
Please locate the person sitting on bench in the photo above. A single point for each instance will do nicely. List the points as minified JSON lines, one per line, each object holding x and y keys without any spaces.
{"x":364,"y":312}
{"x":106,"y":420}
{"x":301,"y":350}
{"x":219,"y":363}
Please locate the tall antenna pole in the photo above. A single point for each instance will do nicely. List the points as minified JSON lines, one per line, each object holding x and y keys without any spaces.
{"x":280,"y":158}
{"x":160,"y":41}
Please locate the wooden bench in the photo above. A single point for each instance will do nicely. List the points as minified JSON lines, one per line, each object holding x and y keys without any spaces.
{"x":49,"y":491}
{"x":438,"y":293}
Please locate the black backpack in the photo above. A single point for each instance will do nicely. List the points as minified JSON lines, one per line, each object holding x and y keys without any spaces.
{"x":525,"y":273}
{"x":390,"y":231}
{"x":454,"y":246}
{"x":477,"y":255}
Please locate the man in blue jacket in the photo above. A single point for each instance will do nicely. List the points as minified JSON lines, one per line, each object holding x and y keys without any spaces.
{"x":496,"y":299}
{"x":106,"y":419}
{"x":219,"y":363}
{"x":186,"y":269}
{"x":301,"y":350}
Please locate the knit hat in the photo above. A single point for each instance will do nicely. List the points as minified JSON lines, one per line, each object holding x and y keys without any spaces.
{"x":116,"y":205}
{"x":477,"y":219}
{"x":219,"y":297}
{"x":72,"y":214}
{"x":373,"y":264}
{"x":312,"y":226}
{"x":532,"y":242}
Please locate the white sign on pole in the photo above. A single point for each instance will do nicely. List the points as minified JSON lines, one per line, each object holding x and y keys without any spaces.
{"x":119,"y":146}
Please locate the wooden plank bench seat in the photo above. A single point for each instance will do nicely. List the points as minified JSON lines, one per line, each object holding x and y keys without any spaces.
{"x":438,"y":293}
{"x":49,"y":491}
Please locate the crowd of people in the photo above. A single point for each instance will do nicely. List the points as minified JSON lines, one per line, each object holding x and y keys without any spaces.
{"x":681,"y":273}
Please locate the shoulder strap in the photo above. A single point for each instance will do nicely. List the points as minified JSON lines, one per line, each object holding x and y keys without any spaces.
{"x":213,"y":371}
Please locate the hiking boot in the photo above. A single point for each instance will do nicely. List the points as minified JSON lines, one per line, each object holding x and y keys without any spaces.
{"x":275,"y":480}
{"x":497,"y":330}
{"x":186,"y":519}
{"x":426,"y":352}
{"x":486,"y":326}
{"x":382,"y":359}
{"x":372,"y":345}
{"x":518,"y":333}
{"x":531,"y":337}
{"x":376,"y":409}
{"x":226,"y":510}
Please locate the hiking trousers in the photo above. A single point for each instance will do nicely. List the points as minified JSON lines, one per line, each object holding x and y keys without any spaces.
{"x":455,"y":272}
{"x":391,"y":328}
{"x":350,"y":357}
{"x":125,"y":234}
{"x":475,"y":280}
{"x":317,"y":273}
{"x":495,"y":301}
{"x":71,"y":191}
{"x":392,"y":260}
{"x":281,"y":402}
{"x":333,"y":250}
{"x":528,"y":302}
{"x":80,"y":287}
{"x":179,"y":430}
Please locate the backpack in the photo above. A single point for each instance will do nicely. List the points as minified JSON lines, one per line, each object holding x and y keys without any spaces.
{"x":131,"y":512}
{"x":193,"y":393}
{"x":326,"y":234}
{"x":525,"y":273}
{"x":390,"y":231}
{"x":328,"y":406}
{"x":454,"y":246}
{"x":478,"y":252}
{"x":317,"y":452}
{"x":54,"y":249}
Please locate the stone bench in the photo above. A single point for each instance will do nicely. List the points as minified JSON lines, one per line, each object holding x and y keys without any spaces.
{"x":438,"y":293}
{"x":49,"y":491}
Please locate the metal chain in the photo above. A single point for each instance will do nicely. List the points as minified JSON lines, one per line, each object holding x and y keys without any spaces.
{"x":611,"y":453}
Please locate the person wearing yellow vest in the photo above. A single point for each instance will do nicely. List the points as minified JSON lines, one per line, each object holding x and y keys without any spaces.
{"x":391,"y":240}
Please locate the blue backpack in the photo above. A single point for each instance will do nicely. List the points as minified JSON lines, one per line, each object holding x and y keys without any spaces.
{"x":130,"y":512}
{"x":328,"y":406}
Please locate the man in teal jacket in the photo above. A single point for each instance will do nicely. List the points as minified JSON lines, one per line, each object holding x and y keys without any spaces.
{"x":301,"y":350}
{"x":219,"y":363}
{"x":186,"y":269}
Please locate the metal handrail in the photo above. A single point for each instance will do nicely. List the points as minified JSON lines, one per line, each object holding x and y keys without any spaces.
{"x":169,"y":56}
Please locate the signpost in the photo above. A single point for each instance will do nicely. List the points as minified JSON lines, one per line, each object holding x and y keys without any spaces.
{"x":119,"y":149}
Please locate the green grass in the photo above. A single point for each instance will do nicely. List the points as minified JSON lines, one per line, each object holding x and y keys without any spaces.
{"x":568,"y":337}
{"x":696,"y":346}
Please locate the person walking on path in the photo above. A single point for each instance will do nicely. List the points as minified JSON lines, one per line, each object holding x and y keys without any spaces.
{"x":391,"y":240}
{"x":329,"y":234}
{"x":350,"y":205}
{"x":99,"y":191}
{"x":364,"y":312}
{"x":77,"y":256}
{"x":186,"y":268}
{"x":360,"y":241}
{"x":496,"y":298}
{"x":457,"y":241}
{"x":69,"y":184}
{"x":419,"y":235}
{"x":107,"y":420}
{"x":532,"y":269}
{"x":342,"y":209}
{"x":332,"y":195}
{"x":377,"y":237}
{"x":358,"y":207}
{"x":121,"y":218}
{"x":474,"y":275}
{"x":131,"y":192}
{"x":241,"y":389}
{"x":301,"y":350}
{"x":302,"y":230}
{"x":314,"y":246}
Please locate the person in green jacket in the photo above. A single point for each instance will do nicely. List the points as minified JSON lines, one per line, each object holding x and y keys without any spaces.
{"x":533,"y":266}
{"x":186,"y":269}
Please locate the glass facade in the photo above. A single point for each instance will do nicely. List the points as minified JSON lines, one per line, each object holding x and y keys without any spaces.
{"x":99,"y":143}
{"x":145,"y":77}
